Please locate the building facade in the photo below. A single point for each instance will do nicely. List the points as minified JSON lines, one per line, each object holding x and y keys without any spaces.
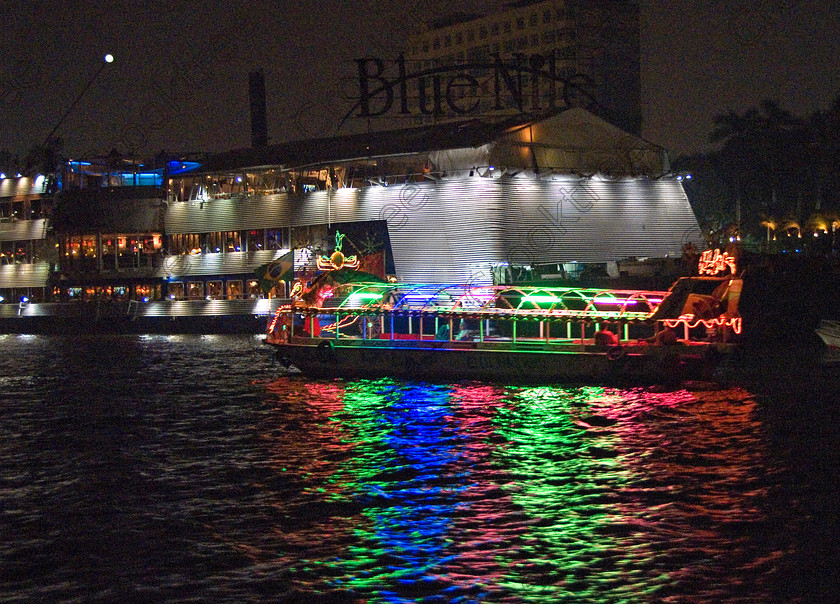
{"x":528,"y":198}
{"x":26,"y":254}
{"x":592,"y":44}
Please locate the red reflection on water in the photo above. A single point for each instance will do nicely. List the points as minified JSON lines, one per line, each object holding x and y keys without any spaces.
{"x":692,"y":481}
{"x":489,"y":520}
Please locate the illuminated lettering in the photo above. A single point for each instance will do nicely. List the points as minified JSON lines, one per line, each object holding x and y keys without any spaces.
{"x":712,"y":262}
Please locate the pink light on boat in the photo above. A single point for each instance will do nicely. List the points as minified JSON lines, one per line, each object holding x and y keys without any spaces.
{"x":613,"y":301}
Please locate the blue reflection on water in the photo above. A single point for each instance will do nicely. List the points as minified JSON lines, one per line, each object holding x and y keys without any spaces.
{"x":411,"y":493}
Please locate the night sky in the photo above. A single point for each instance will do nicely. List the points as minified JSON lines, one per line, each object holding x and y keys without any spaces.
{"x":180,"y":79}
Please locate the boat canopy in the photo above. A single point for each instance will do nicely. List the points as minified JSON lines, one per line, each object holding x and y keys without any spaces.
{"x":489,"y":301}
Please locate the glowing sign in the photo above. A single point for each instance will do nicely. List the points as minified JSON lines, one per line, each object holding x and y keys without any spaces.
{"x":540,"y":299}
{"x":689,"y":322}
{"x":337,"y":260}
{"x":712,"y":262}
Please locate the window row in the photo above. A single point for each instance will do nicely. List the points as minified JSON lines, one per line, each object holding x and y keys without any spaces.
{"x":484,"y":54}
{"x":191,"y":289}
{"x":28,"y":209}
{"x":109,"y":251}
{"x":108,"y":293}
{"x":252,"y":240}
{"x":21,"y":252}
{"x":495,"y":28}
{"x":214,"y":289}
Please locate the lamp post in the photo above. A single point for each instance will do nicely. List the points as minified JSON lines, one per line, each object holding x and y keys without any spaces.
{"x":109,"y":58}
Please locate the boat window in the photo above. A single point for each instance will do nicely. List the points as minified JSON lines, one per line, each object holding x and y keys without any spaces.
{"x":234,"y":289}
{"x":176,"y":291}
{"x":89,"y":246}
{"x":212,"y":243}
{"x":255,"y":240}
{"x":214,"y":290}
{"x":142,"y":292}
{"x":7,"y":252}
{"x":254,"y":290}
{"x":233,"y":241}
{"x":195,"y":289}
{"x":277,"y":239}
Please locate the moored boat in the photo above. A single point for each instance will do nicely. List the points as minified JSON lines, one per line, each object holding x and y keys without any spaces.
{"x":345,"y":328}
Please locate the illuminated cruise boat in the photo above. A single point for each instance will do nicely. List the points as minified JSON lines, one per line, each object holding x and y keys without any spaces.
{"x":340,"y":327}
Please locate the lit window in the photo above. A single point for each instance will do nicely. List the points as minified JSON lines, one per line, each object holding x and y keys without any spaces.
{"x":195,"y":289}
{"x":234,"y":289}
{"x":214,"y":290}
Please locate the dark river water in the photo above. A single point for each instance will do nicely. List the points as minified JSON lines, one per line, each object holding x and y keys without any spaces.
{"x":189,"y":468}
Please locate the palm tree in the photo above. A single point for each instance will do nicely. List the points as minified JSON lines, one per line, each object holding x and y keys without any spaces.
{"x":45,"y":159}
{"x":824,"y":146}
{"x":738,"y":159}
{"x":771,"y":224}
{"x":788,"y":225}
{"x":764,"y":155}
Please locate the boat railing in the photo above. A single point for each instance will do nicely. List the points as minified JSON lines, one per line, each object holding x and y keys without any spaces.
{"x":374,"y":324}
{"x":496,"y":313}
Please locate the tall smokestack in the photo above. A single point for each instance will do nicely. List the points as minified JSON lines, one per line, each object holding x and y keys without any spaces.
{"x":259,"y":126}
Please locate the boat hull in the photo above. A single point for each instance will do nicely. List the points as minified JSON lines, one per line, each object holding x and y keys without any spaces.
{"x":547,"y":363}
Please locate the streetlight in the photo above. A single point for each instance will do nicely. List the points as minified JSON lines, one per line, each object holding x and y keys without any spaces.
{"x":109,"y":58}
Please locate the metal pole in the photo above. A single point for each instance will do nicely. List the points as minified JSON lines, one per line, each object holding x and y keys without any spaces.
{"x":108,"y":59}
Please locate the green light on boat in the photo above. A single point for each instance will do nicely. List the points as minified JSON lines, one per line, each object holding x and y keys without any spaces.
{"x":541,"y":299}
{"x":365,"y":296}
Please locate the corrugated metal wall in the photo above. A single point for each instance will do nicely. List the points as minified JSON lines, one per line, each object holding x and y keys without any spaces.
{"x":455,"y":230}
{"x":207,"y":308}
{"x":271,"y":211}
{"x":592,"y":220}
{"x":24,"y":275}
{"x":23,"y":230}
{"x":232,"y":263}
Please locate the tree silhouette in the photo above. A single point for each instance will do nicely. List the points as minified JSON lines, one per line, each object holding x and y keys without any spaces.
{"x":766,"y":156}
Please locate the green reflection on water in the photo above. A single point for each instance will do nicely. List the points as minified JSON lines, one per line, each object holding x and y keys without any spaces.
{"x":578,"y":542}
{"x":477,"y":491}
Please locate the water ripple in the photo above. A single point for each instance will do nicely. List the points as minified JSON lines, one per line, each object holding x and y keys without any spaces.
{"x":175,"y":468}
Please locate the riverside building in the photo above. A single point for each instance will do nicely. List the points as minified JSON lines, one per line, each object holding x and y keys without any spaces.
{"x":593,"y":43}
{"x":180,"y":244}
